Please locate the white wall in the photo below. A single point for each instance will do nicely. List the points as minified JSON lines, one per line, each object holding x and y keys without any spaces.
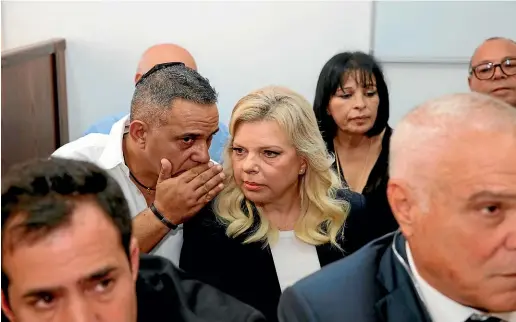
{"x":411,"y":84}
{"x":430,"y":30}
{"x":2,"y":25}
{"x":239,"y":46}
{"x":425,"y":46}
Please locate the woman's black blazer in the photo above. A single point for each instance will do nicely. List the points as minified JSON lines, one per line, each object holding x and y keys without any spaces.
{"x":246,"y":272}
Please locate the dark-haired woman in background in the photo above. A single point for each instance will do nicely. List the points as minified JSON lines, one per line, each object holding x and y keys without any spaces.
{"x":352,"y":108}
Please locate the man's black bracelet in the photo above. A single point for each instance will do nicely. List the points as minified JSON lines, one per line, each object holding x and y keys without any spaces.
{"x":161,"y":218}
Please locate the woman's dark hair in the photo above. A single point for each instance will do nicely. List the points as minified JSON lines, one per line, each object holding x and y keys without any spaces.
{"x":331,"y":78}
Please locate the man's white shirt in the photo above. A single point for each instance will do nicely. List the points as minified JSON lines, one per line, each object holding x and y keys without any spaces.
{"x":106,"y":152}
{"x":440,"y":307}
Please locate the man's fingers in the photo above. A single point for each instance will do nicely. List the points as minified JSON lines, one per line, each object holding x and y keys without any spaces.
{"x":166,"y":170}
{"x":206,"y":196}
{"x":213,"y":193}
{"x":191,"y":174}
{"x":209,"y":185}
{"x":206,"y":176}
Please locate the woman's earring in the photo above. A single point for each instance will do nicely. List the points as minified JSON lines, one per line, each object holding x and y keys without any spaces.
{"x":302,"y":171}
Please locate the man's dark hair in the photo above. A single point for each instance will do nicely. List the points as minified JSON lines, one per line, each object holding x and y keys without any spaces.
{"x":41,"y":194}
{"x":331,"y":78}
{"x":155,"y":94}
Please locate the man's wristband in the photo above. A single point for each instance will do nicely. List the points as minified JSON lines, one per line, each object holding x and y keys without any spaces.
{"x":161,"y":218}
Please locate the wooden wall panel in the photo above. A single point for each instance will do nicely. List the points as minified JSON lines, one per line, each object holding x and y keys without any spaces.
{"x":34,"y":102}
{"x":28,"y":117}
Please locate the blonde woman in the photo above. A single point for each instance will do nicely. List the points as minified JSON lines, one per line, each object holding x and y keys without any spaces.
{"x":281,"y":215}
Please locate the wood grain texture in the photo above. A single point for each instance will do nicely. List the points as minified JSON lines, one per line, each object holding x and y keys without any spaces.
{"x":34,"y":102}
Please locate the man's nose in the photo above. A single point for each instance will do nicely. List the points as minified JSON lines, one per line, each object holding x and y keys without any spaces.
{"x":498,"y":73}
{"x":202,"y":153}
{"x":511,"y":237}
{"x":78,"y":310}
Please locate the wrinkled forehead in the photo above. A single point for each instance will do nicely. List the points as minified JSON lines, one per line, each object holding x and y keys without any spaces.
{"x":65,"y":254}
{"x":461,"y":157}
{"x":494,"y":51}
{"x":185,"y":116}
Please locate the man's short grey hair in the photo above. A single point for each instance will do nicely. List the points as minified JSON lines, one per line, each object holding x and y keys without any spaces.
{"x":155,"y":94}
{"x":430,"y":129}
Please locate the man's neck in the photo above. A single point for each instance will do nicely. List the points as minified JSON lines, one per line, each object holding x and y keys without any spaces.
{"x":136,"y":164}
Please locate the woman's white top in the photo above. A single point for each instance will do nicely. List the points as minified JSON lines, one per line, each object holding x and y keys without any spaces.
{"x":293,"y":259}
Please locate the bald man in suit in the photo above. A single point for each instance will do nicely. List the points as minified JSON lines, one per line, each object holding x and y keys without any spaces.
{"x":452,"y":189}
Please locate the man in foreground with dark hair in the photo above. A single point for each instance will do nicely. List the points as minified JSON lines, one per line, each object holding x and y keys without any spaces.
{"x":68,"y":254}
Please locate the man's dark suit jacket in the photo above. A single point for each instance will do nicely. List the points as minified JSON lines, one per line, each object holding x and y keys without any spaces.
{"x":369,"y":286}
{"x":166,"y":293}
{"x":245,"y":271}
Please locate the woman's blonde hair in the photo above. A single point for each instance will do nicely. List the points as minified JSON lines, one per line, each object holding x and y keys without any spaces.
{"x":322,"y":214}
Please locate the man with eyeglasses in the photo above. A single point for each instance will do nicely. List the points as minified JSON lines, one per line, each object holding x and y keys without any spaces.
{"x":493,"y":69}
{"x":159,"y":154}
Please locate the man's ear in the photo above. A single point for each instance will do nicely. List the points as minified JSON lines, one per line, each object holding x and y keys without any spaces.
{"x":134,"y":251}
{"x":469,"y":81}
{"x":138,"y":131}
{"x":137,"y":77}
{"x":6,"y":309}
{"x":402,"y":204}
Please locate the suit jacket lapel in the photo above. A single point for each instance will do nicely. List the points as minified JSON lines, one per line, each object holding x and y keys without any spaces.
{"x":401,"y":302}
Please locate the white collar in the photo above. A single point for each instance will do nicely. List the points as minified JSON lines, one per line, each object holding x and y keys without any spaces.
{"x":113,"y":154}
{"x":442,"y":308}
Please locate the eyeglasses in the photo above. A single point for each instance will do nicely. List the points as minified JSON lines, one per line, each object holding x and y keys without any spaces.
{"x":156,"y":68}
{"x":486,"y":71}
